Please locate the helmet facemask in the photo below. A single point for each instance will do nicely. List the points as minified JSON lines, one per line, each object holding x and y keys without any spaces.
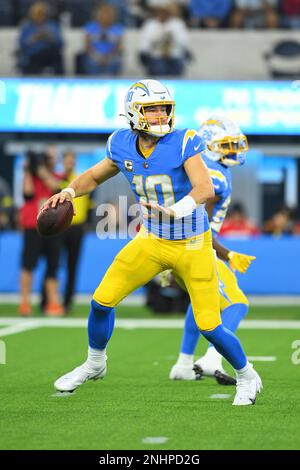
{"x":165,"y":124}
{"x":224,"y":141}
{"x":230,"y":149}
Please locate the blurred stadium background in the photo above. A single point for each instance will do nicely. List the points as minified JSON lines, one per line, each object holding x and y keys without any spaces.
{"x":247,"y":70}
{"x":238,"y":57}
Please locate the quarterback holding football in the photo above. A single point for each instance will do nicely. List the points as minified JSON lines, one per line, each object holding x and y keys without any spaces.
{"x":172,"y":184}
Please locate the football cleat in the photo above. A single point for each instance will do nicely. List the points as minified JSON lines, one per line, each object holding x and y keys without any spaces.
{"x":224,"y":379}
{"x":247,"y":389}
{"x":211,"y":371}
{"x":185,"y":373}
{"x":72,"y":380}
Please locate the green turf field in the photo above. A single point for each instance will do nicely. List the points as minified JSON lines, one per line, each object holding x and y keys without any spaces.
{"x":136,"y":400}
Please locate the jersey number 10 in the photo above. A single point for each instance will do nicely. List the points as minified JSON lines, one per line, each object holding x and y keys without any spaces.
{"x":146,"y":189}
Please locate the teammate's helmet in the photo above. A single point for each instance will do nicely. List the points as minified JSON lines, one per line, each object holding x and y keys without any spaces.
{"x":224,"y":141}
{"x":148,"y":93}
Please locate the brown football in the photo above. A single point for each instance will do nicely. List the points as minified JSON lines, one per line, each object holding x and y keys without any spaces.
{"x":55,"y":220}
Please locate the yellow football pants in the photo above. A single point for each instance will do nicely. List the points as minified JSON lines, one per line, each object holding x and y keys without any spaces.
{"x":229,"y":290}
{"x":146,"y":255}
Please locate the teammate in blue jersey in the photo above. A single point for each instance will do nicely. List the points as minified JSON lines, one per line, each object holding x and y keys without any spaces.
{"x":225,"y":147}
{"x":172,"y":183}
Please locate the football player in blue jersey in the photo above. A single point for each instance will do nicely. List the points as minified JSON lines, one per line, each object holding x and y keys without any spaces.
{"x":225,"y":147}
{"x":171,"y":182}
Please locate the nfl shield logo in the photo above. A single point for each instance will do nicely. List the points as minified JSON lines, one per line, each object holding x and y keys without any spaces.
{"x":128,"y":165}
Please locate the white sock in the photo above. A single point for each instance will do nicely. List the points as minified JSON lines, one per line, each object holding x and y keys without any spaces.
{"x":212,"y":358}
{"x":185,"y":360}
{"x":246,"y":372}
{"x":95,"y":357}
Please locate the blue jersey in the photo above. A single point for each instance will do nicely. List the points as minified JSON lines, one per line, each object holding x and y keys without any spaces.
{"x":161,"y":177}
{"x":221,"y":178}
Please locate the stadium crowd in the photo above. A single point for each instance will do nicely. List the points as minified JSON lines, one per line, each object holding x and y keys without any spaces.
{"x":196,"y":13}
{"x":163,"y":25}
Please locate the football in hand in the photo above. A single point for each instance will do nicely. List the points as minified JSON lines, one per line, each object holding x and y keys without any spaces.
{"x":55,"y":220}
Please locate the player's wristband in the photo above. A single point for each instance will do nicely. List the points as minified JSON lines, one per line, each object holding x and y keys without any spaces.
{"x":70,"y":191}
{"x":230,"y":255}
{"x":184,"y":207}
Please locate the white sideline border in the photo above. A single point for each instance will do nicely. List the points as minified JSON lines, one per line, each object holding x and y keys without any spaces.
{"x":13,"y":325}
{"x":140,"y":299}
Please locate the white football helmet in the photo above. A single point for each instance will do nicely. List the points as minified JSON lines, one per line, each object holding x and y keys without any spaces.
{"x":148,"y":93}
{"x":224,"y":141}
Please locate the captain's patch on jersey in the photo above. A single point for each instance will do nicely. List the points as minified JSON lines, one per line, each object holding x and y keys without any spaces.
{"x":128,"y":165}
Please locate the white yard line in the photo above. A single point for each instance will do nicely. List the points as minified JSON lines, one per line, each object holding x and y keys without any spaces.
{"x":4,"y":321}
{"x":17,"y":325}
{"x":155,"y":440}
{"x":262,"y":358}
{"x":219,"y":396}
